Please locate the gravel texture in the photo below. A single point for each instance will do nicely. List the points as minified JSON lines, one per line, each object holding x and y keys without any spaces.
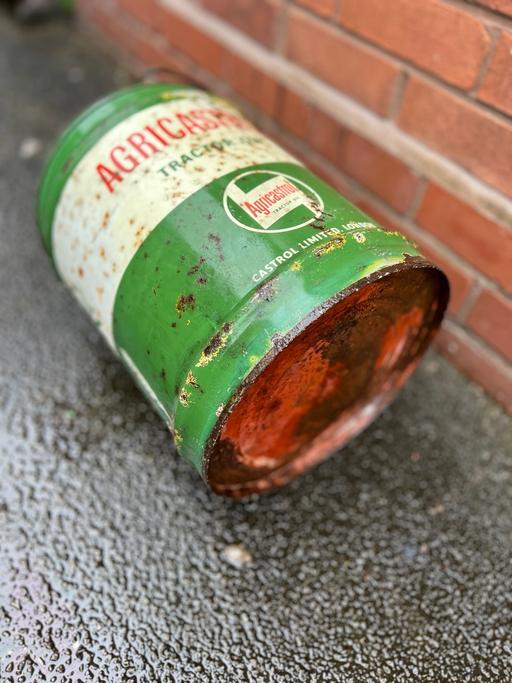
{"x":390,"y":562}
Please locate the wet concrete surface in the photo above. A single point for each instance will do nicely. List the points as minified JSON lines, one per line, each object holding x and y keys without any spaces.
{"x":390,"y":562}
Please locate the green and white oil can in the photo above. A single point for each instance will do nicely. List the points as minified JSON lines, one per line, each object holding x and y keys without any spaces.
{"x":266,"y":318}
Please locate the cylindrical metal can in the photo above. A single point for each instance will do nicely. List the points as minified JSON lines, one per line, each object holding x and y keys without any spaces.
{"x":266,"y":318}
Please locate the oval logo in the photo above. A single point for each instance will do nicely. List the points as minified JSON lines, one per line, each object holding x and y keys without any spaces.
{"x":269,"y":202}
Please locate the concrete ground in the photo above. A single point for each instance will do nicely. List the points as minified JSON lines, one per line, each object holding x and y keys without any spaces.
{"x":390,"y":562}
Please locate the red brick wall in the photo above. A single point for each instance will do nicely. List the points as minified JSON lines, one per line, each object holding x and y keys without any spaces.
{"x":437,"y":73}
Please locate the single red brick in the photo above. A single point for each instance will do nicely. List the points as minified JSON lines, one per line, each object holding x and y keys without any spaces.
{"x":324,"y":134}
{"x":435,"y":36}
{"x":257,"y":18}
{"x":496,"y":88}
{"x":491,"y":318}
{"x":485,"y":244}
{"x":254,"y":85}
{"x":501,"y":6}
{"x":324,"y":8}
{"x":475,"y":139}
{"x":341,"y":61}
{"x":492,"y":374}
{"x":460,"y":279}
{"x":383,"y":174}
{"x":293,"y":112}
{"x":201,"y":48}
{"x":149,"y":12}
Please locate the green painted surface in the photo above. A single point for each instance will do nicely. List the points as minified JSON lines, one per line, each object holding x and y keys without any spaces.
{"x":190,"y":287}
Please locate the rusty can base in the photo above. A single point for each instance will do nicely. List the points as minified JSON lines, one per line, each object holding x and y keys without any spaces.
{"x":327,"y":380}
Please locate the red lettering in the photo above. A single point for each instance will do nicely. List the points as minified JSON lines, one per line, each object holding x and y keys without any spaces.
{"x":121,"y":163}
{"x":252,"y":208}
{"x":156,"y":135}
{"x":162,"y":123}
{"x":189,"y":124}
{"x":108,"y":176}
{"x":201,"y":115}
{"x":139,"y":142}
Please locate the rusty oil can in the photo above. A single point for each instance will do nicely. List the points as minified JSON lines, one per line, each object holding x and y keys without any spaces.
{"x":266,"y":318}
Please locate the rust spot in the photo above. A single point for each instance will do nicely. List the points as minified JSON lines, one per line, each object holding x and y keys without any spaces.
{"x":102,"y":252}
{"x":317,"y":224}
{"x":193,"y":270}
{"x":218,"y":244}
{"x":267,"y":290}
{"x":80,"y":271}
{"x":106,"y":217}
{"x":163,"y":374}
{"x":184,"y":398}
{"x":185,"y":302}
{"x":193,"y":382}
{"x":216,"y":343}
{"x":334,"y":243}
{"x":173,"y":324}
{"x":202,"y":280}
{"x":315,"y":206}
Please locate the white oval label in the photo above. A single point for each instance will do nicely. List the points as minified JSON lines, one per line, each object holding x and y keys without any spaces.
{"x":269,"y":201}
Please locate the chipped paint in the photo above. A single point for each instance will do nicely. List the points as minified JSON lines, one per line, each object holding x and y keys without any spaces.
{"x":337,"y":242}
{"x":184,"y":397}
{"x":215,"y":345}
{"x":185,"y":302}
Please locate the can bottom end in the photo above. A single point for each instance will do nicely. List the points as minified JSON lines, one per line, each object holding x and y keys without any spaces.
{"x":327,"y":381}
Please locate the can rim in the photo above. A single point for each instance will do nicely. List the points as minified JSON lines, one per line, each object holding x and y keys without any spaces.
{"x":82,"y":134}
{"x":283,"y":474}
